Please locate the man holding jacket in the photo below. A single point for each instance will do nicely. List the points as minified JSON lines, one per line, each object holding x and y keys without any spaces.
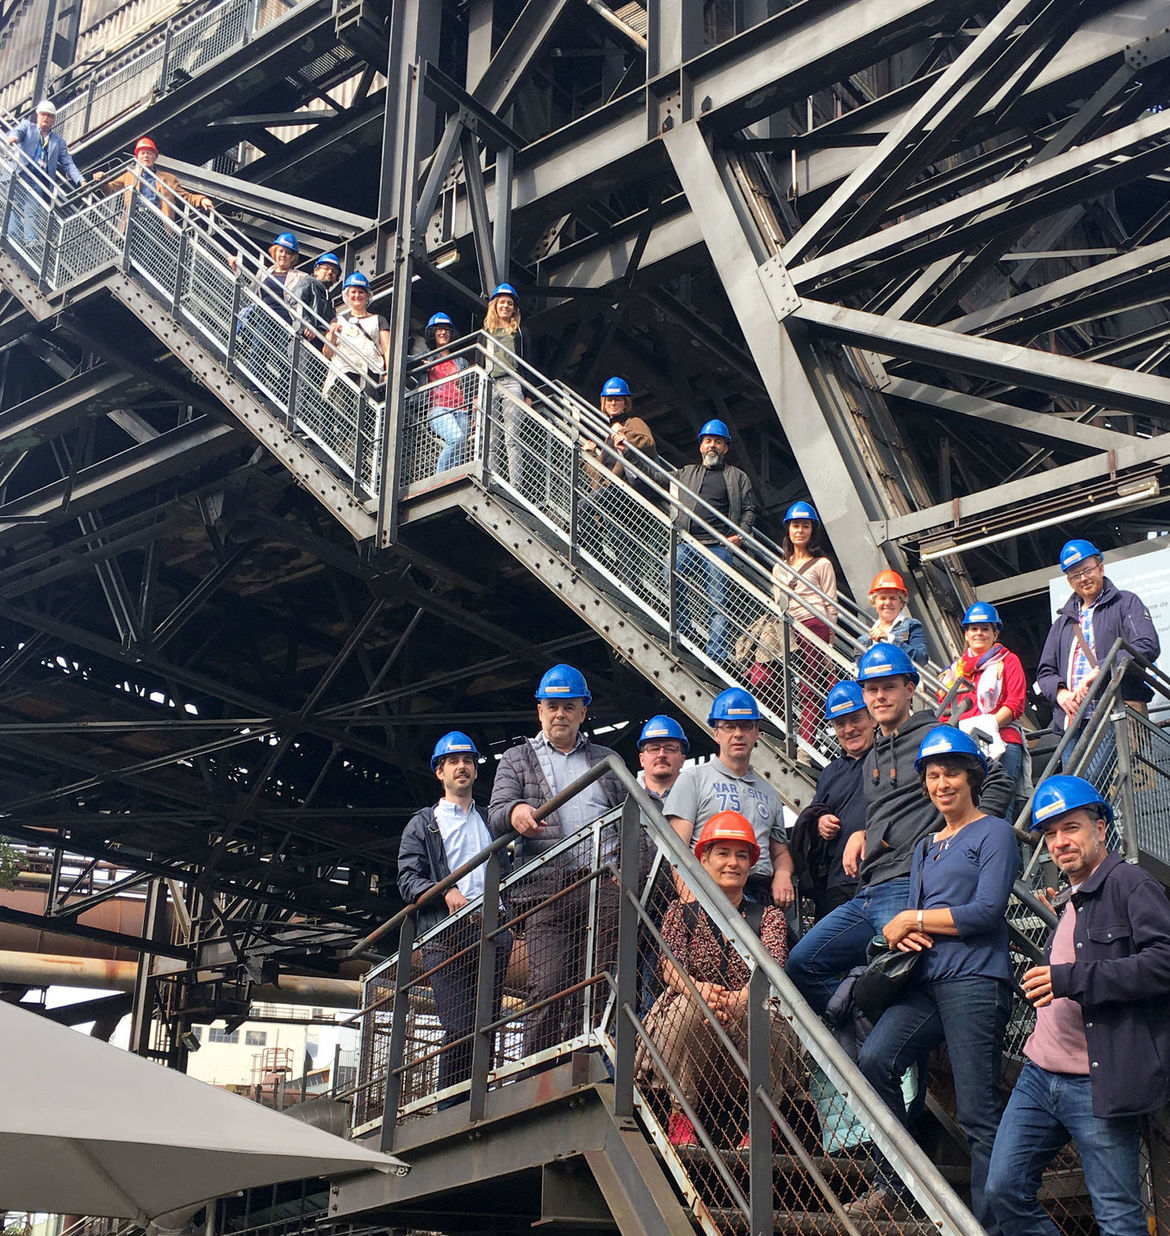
{"x":1099,"y":1058}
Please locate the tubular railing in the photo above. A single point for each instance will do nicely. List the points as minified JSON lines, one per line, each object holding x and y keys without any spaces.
{"x":440,"y":1024}
{"x":172,"y":52}
{"x":183,"y":264}
{"x":444,"y":1022}
{"x":641,"y":535}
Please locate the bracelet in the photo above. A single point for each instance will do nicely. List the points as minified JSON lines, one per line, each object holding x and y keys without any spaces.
{"x":919,"y":920}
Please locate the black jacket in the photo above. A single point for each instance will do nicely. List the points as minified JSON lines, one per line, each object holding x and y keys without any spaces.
{"x":742,"y":507}
{"x":422,"y":862}
{"x":1121,"y":980}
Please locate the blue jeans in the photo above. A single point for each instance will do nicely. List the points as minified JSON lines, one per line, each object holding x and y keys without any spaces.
{"x":697,"y":572}
{"x":835,"y":944}
{"x":1012,"y":761}
{"x":450,"y":424}
{"x":1044,"y":1111}
{"x":970,"y":1015}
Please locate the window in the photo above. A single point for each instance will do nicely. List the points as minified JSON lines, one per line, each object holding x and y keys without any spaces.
{"x":197,"y":1033}
{"x":220,"y":1035}
{"x":255,"y":1038}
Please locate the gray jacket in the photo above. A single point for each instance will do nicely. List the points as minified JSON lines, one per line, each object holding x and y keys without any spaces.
{"x":520,"y":779}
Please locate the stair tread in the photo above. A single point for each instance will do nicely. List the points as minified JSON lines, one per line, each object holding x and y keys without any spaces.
{"x":816,"y":1224}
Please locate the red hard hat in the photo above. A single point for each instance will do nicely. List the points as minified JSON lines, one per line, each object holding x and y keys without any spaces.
{"x":144,"y":143}
{"x":728,"y":826}
{"x":888,"y":579}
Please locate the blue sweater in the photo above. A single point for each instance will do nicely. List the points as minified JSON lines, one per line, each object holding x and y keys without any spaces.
{"x":971,"y":874}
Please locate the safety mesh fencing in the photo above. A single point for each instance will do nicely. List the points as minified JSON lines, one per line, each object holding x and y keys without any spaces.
{"x":170,"y":55}
{"x":622,"y":519}
{"x":551,"y":961}
{"x":181,"y":262}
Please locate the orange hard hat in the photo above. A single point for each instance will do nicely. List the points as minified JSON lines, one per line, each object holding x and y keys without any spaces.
{"x":728,"y":826}
{"x":888,"y":579}
{"x":145,"y":143}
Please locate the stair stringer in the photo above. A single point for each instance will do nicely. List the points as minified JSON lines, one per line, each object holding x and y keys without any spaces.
{"x":669,"y":674}
{"x":309,"y":469}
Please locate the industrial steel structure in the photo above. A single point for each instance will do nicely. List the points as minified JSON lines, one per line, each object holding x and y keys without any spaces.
{"x":914,"y":252}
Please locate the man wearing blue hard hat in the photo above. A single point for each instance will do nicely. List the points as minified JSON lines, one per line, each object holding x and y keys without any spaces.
{"x":662,"y":751}
{"x":435,"y":842}
{"x":727,"y":782}
{"x":823,"y":828}
{"x":530,"y":773}
{"x":1099,"y":1057}
{"x":1088,"y":625}
{"x":722,"y":497}
{"x":897,"y":816}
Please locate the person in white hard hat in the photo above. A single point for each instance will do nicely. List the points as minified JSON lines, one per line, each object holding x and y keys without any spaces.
{"x":47,"y":153}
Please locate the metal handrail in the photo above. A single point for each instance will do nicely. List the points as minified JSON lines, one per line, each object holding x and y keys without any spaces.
{"x":907,"y":1159}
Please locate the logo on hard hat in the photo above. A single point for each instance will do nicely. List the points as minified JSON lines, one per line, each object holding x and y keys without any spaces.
{"x":939,"y":744}
{"x":552,"y":690}
{"x":843,"y":706}
{"x":1050,"y":808}
{"x":739,"y":712}
{"x":883,"y":665}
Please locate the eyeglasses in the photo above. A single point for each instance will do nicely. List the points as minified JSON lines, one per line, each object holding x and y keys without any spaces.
{"x":737,"y":725}
{"x":1075,"y":577}
{"x":667,"y":748}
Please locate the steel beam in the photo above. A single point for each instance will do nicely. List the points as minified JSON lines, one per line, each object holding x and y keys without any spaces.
{"x":521,"y":45}
{"x":1123,"y":389}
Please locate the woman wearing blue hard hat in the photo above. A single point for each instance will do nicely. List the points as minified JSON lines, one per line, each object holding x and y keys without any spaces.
{"x":994,"y":703}
{"x":505,"y":345}
{"x":802,"y":576}
{"x":449,"y":413}
{"x":357,"y":342}
{"x":265,"y":323}
{"x":960,"y":993}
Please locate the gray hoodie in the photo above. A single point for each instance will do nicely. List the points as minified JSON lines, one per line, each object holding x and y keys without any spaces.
{"x":897,"y":810}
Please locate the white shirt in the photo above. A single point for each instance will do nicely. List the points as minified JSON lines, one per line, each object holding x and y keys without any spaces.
{"x":464,"y":835}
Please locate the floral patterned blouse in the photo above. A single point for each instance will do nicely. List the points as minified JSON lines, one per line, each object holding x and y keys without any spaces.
{"x":701,"y":950}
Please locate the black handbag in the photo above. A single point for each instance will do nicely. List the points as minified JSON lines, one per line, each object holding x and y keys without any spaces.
{"x":889,"y":972}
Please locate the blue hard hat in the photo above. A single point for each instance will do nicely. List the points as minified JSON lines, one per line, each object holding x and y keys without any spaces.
{"x":328,"y":259}
{"x":356,"y":280}
{"x":563,"y":682}
{"x":1075,"y":552}
{"x":979,"y":613}
{"x":663,"y":726}
{"x":503,"y":289}
{"x":883,"y":661}
{"x":287,"y":240}
{"x":439,"y":319}
{"x":802,"y":510}
{"x":734,"y":704}
{"x":715,"y":429}
{"x":947,"y":740}
{"x":454,"y":743}
{"x":616,"y":388}
{"x":843,"y":699}
{"x":1063,"y":793}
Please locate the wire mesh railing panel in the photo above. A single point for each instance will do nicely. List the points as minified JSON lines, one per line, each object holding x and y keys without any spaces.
{"x":1149,"y":784}
{"x":26,"y":211}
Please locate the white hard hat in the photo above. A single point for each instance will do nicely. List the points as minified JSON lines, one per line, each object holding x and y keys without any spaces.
{"x":45,"y":106}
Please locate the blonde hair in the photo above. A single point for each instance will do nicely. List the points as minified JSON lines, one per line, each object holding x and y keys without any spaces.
{"x":492,"y":320}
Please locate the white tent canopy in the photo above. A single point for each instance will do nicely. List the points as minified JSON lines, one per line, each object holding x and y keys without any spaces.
{"x":88,"y":1129}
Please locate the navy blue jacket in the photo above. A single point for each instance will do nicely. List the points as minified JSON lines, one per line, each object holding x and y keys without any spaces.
{"x":841,"y":792}
{"x":1117,"y":614}
{"x":28,"y":138}
{"x":1121,"y":980}
{"x":422,"y":862}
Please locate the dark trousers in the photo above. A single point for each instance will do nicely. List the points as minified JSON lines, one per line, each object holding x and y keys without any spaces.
{"x":454,"y":984}
{"x":556,"y":933}
{"x":970,"y":1014}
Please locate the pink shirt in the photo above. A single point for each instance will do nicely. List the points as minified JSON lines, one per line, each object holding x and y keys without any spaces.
{"x":1058,"y":1042}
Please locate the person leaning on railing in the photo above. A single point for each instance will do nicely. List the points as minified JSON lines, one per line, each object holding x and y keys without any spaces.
{"x":161,"y":189}
{"x":529,"y":774}
{"x":436,"y":841}
{"x":357,"y":342}
{"x":48,"y":153}
{"x":705,"y":980}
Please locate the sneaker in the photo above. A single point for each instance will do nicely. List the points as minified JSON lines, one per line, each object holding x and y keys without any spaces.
{"x":879,"y":1203}
{"x":680,"y":1131}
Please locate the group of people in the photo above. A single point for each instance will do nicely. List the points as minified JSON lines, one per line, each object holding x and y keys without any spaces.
{"x":909,"y":830}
